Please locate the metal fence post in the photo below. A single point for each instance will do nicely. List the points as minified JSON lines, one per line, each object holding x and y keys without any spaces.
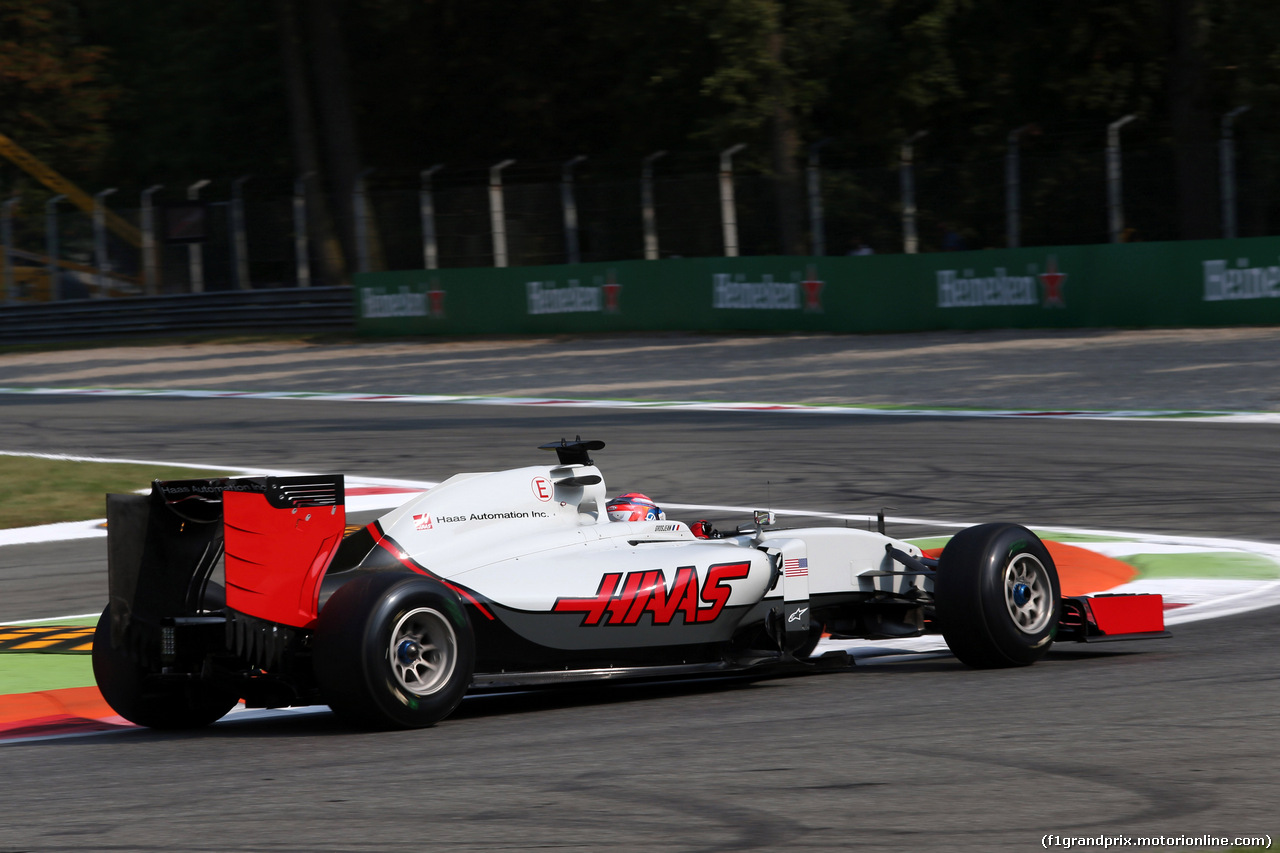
{"x":301,"y":251}
{"x":1115,"y":189}
{"x":1227,"y":164}
{"x":150,"y":266}
{"x":6,"y":234}
{"x":817,"y":226}
{"x":497,"y":214}
{"x":570,"y":205}
{"x":51,"y":244}
{"x":1013,"y":189}
{"x":427,"y":212}
{"x":728,"y":209}
{"x":360,"y":205}
{"x":910,"y":243}
{"x":646,"y":206}
{"x":239,"y":239}
{"x":101,"y":258}
{"x":195,"y":249}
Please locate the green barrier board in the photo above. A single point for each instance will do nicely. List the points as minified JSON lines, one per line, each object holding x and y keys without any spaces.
{"x":1194,"y":283}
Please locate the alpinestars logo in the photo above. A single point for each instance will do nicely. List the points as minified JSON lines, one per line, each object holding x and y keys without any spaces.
{"x":624,"y":602}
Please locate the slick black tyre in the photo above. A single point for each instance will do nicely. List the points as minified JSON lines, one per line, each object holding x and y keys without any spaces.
{"x":997,"y":596}
{"x":394,"y":651}
{"x":125,"y":685}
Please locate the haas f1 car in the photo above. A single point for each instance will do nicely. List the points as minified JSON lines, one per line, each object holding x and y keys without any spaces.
{"x":253,"y":589}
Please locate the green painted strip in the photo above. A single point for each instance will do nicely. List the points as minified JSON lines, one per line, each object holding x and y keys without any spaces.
{"x":29,"y":673}
{"x":1068,"y":538}
{"x":1078,"y":537}
{"x":928,"y":542}
{"x":1212,"y":564}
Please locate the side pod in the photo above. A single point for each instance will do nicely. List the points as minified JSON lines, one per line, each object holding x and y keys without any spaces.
{"x":1103,"y":618}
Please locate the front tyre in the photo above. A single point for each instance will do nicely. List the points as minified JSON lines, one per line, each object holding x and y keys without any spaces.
{"x":394,"y":651}
{"x":133,"y":693}
{"x":997,"y":596}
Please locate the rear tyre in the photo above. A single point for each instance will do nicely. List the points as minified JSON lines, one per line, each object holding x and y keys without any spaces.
{"x":394,"y":651}
{"x":997,"y":596}
{"x":125,"y":685}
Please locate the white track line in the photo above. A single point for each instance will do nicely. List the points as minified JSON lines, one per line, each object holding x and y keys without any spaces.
{"x":52,"y":619}
{"x":680,"y":405}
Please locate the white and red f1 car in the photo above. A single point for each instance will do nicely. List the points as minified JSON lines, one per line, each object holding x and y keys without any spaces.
{"x":519,"y":578}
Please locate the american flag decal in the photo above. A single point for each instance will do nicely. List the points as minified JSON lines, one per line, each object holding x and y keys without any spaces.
{"x":796,"y":568}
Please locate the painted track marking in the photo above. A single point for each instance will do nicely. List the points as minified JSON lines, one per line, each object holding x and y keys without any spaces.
{"x":659,"y":405}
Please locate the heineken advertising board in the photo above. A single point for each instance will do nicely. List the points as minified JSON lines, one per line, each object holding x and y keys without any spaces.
{"x":1195,"y":283}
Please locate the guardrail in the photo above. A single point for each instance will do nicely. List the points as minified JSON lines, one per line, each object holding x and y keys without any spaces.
{"x":313,"y":309}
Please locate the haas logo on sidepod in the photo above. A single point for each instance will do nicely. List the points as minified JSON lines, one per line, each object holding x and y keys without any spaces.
{"x":619,"y":602}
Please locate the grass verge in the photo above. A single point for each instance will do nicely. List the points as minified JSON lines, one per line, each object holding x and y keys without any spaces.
{"x":43,"y":491}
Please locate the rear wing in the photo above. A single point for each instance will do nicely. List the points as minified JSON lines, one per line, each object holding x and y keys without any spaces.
{"x":274,"y":535}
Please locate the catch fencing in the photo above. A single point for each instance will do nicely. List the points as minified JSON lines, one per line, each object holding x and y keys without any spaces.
{"x":848,"y":200}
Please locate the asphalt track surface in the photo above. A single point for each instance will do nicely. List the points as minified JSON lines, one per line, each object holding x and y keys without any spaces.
{"x":1203,"y":369}
{"x":1178,"y":737}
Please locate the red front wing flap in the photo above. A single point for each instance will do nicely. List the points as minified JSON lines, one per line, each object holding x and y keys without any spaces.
{"x":279,"y":544}
{"x":1101,"y":618}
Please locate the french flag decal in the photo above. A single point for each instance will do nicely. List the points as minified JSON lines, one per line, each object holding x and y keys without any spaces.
{"x":796,"y":568}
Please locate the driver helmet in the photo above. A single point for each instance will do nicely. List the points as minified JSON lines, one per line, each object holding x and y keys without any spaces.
{"x":634,"y":506}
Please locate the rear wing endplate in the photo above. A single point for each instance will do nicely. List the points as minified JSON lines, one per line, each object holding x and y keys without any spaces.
{"x":278,"y":534}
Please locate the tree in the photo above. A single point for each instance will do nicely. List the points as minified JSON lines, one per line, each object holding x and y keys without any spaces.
{"x":192,"y":91}
{"x":200,"y":92}
{"x":303,"y":131}
{"x":54,"y":94}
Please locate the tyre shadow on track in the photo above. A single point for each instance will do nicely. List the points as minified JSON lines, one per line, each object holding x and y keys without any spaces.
{"x":493,"y":705}
{"x":319,"y":722}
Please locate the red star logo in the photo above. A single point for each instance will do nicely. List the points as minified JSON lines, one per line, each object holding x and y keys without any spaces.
{"x":812,"y":290}
{"x":612,"y":290}
{"x":1053,"y":280}
{"x":436,"y":298}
